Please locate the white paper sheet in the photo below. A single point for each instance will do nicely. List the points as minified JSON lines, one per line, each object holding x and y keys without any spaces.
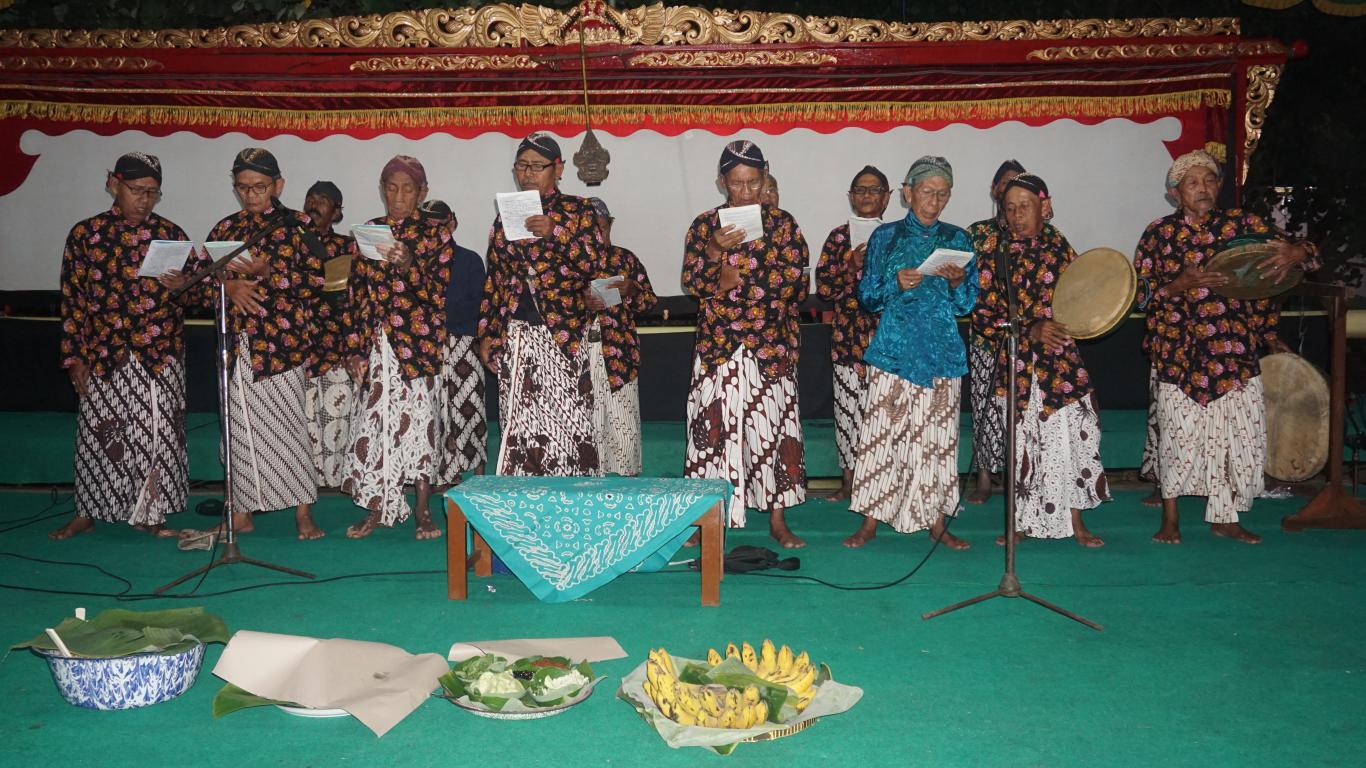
{"x":610,"y":296}
{"x":515,"y":208}
{"x":746,"y":217}
{"x":379,"y":684}
{"x":372,"y":240}
{"x":164,"y":256}
{"x":219,"y":248}
{"x":603,"y":648}
{"x":941,"y":256}
{"x":860,"y":229}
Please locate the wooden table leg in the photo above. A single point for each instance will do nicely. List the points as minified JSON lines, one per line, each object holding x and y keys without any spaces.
{"x":457,"y":580}
{"x":711,"y":546}
{"x":483,"y":555}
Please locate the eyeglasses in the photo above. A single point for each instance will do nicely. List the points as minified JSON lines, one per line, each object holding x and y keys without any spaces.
{"x":753,"y":186}
{"x":522,"y":166}
{"x":252,"y":189}
{"x":867,"y":191}
{"x":941,"y":196}
{"x":146,"y":193}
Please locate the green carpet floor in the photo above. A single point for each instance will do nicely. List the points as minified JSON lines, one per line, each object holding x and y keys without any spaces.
{"x":1214,"y":653}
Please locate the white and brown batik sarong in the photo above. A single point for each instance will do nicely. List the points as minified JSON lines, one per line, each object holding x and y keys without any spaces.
{"x":1148,"y":466}
{"x":988,"y":420}
{"x":463,"y":425}
{"x":395,"y":434}
{"x":773,"y":464}
{"x":329,"y":401}
{"x":546,"y":407}
{"x":272,"y":459}
{"x":906,"y":474}
{"x":1217,"y":451}
{"x":1057,"y":465}
{"x":849,"y":395}
{"x":130,"y":445}
{"x":616,"y":417}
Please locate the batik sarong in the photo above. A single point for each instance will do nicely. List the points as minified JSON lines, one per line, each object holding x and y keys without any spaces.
{"x":616,"y":417}
{"x":1148,"y":466}
{"x":463,"y":425}
{"x":849,"y":395}
{"x":906,"y":474}
{"x":1217,"y":451}
{"x":272,"y":459}
{"x":546,"y":407}
{"x":395,"y":432}
{"x":988,"y":421}
{"x":1057,"y":465}
{"x":328,"y":404}
{"x":130,"y":445}
{"x":735,"y":393}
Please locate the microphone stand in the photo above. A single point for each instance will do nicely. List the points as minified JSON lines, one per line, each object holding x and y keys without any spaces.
{"x":232,"y":552}
{"x":1010,"y":582}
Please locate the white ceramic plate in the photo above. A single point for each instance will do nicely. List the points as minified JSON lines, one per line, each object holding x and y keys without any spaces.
{"x":306,"y":712}
{"x":535,"y":714}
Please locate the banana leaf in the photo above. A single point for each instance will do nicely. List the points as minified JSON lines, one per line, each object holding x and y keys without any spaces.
{"x":119,"y":632}
{"x":230,"y":698}
{"x":732,"y":673}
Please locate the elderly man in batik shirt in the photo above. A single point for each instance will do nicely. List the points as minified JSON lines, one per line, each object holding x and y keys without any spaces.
{"x":614,"y":351}
{"x":395,"y":339}
{"x":273,"y":296}
{"x":123,"y":345}
{"x":1058,"y":473}
{"x":331,"y":393}
{"x":906,"y":472}
{"x":533,"y":321}
{"x":1211,"y":417}
{"x":463,"y":423}
{"x":838,"y":272}
{"x":743,"y":421}
{"x":988,"y":423}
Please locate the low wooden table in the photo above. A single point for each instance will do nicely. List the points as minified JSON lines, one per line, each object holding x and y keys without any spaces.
{"x":458,"y":562}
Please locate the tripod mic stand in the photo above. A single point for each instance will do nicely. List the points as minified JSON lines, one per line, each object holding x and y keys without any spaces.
{"x":1010,"y":582}
{"x":232,"y":552}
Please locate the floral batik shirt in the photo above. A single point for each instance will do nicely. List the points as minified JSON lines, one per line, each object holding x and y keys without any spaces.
{"x":329,"y":314}
{"x":987,"y":235}
{"x":407,"y":304}
{"x":109,"y":314}
{"x":1036,"y":263}
{"x":620,"y":341}
{"x":278,"y":340}
{"x":760,"y":313}
{"x":554,"y":271}
{"x":837,"y":282}
{"x":1200,"y":341}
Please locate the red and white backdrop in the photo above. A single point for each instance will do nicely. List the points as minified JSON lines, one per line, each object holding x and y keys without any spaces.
{"x":1097,"y":107}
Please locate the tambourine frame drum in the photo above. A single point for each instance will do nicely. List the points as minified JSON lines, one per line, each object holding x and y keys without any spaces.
{"x":1095,"y":293}
{"x":1240,"y":263}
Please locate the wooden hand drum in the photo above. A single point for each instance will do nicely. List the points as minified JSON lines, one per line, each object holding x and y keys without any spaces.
{"x":1095,"y":293}
{"x":1296,"y":417}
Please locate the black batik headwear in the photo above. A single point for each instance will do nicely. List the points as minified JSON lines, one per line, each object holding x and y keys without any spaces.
{"x":136,"y":165}
{"x":1009,"y":166}
{"x":541,"y":143}
{"x":869,"y":170}
{"x":436,"y":210}
{"x":328,"y":190}
{"x":741,"y":153}
{"x":1030,"y":182}
{"x":256,"y":159}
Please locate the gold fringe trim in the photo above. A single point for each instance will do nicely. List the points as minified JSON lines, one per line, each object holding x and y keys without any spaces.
{"x":644,"y":115}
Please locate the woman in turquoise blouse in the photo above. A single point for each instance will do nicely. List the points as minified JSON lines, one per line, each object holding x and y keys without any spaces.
{"x":906,"y":473}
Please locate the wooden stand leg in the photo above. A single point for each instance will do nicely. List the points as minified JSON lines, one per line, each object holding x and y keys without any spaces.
{"x":711,"y":545}
{"x":483,"y":556}
{"x":457,"y":580}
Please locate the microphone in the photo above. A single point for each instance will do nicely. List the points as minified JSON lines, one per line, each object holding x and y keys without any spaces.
{"x":310,"y":238}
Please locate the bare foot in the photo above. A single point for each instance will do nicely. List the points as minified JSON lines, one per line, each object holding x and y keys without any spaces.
{"x":160,"y":531}
{"x":778,"y":530}
{"x":940,"y":533}
{"x":303,"y":520}
{"x":841,"y":493}
{"x":1235,"y":532}
{"x":982,"y":491}
{"x":241,"y":523}
{"x":426,"y":529}
{"x":76,"y":527}
{"x":1083,"y":536}
{"x":1001,"y":540}
{"x":865,"y":533}
{"x":1153,"y":499}
{"x":363,"y":528}
{"x":1170,"y":532}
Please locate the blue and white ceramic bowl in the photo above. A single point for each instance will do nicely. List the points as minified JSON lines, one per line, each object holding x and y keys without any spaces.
{"x":124,"y":682}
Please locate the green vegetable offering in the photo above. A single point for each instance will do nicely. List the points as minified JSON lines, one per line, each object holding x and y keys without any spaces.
{"x":532,"y":683}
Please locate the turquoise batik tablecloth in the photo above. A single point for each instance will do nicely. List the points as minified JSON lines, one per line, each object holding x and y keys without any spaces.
{"x":566,"y":536}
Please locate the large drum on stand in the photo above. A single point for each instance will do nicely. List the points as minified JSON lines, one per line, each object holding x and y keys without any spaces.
{"x":1296,"y":417}
{"x":1095,"y":293}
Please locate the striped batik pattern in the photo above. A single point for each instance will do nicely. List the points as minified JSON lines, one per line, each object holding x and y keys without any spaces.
{"x":906,"y":474}
{"x":463,"y":424}
{"x":272,"y":459}
{"x":849,"y":389}
{"x":988,"y":420}
{"x":546,"y":403}
{"x":1217,"y":451}
{"x":616,"y":418}
{"x":1149,"y":466}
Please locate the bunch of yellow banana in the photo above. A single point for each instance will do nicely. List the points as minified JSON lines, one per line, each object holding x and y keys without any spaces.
{"x":713,"y":706}
{"x":779,"y":667}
